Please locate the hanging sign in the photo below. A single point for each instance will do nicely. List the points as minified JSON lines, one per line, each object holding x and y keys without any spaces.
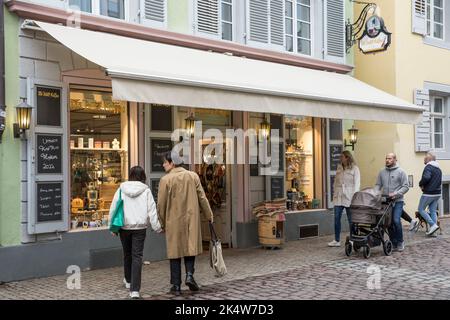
{"x":375,"y":38}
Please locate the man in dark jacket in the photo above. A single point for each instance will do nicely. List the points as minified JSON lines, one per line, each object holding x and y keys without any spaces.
{"x":431,"y":187}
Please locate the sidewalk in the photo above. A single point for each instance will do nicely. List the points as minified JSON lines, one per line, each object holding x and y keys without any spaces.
{"x":301,"y":260}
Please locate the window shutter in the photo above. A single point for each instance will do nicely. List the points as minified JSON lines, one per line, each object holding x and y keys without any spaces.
{"x":423,"y":129}
{"x":208,"y":17}
{"x":259,"y":20}
{"x":277,"y":22}
{"x":153,"y":13}
{"x":335,"y":30}
{"x":419,"y":17}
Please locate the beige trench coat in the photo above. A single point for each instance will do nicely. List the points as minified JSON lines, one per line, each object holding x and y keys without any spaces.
{"x":181,"y":200}
{"x":346,"y":183}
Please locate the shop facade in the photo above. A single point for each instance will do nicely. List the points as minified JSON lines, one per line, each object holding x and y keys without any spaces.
{"x":92,"y":121}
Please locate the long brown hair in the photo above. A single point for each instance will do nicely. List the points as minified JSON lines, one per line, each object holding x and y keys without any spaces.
{"x":350,"y":160}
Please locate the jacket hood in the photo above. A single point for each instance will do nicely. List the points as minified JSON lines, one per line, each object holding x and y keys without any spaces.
{"x":394,"y":167}
{"x":434,"y":164}
{"x":133,"y":189}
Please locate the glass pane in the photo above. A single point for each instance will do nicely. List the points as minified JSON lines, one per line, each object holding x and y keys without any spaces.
{"x":112,"y":8}
{"x":307,"y":2}
{"x":227,"y":1}
{"x":428,"y":28}
{"x":288,"y":9}
{"x":428,"y":13}
{"x":227,"y":31}
{"x":438,"y":15}
{"x":289,"y":26}
{"x":289,"y":44}
{"x":438,"y":126}
{"x":437,"y":106}
{"x":303,"y":13}
{"x":438,"y":31}
{"x":438,"y":3}
{"x":438,"y":141}
{"x":304,"y":46}
{"x":303,"y":30}
{"x":336,"y":130}
{"x":82,"y":5}
{"x":227,"y":12}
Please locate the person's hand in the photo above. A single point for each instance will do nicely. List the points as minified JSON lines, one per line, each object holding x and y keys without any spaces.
{"x":114,"y":234}
{"x":392,"y":195}
{"x":160,"y":231}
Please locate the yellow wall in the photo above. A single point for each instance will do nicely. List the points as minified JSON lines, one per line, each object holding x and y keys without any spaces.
{"x":406,"y":65}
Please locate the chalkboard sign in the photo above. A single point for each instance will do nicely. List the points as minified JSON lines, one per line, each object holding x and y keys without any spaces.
{"x":161,"y":118}
{"x":158,"y":147}
{"x":276,"y":122}
{"x":276,"y":187}
{"x":48,"y":105}
{"x":49,"y":201}
{"x":254,"y":170}
{"x":154,"y":187}
{"x":335,"y":156}
{"x":48,"y":154}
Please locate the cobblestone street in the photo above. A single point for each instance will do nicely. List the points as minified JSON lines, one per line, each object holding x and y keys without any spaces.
{"x":305,"y":269}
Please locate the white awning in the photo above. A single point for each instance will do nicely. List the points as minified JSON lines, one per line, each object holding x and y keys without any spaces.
{"x":150,"y":72}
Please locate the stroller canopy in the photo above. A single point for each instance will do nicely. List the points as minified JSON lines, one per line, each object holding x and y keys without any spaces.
{"x":368,"y":197}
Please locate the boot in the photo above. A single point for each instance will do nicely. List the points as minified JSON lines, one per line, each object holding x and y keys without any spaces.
{"x":190,"y":282}
{"x":176,"y":290}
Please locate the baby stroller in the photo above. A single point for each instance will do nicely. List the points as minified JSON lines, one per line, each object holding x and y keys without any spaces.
{"x":371,"y":218}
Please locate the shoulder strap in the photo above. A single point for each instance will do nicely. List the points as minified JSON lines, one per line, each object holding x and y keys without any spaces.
{"x":213,"y":232}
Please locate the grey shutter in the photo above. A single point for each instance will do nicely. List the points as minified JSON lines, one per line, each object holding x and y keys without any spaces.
{"x":259,"y":21}
{"x":153,"y":12}
{"x":277,"y":22}
{"x":335,"y":30}
{"x":208,"y":17}
{"x":419,"y":17}
{"x":423,"y":129}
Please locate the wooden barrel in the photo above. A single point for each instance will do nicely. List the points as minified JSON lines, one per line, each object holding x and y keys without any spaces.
{"x":270,"y":231}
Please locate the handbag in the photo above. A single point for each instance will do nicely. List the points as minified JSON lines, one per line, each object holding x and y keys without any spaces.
{"x":215,"y":253}
{"x":117,"y":216}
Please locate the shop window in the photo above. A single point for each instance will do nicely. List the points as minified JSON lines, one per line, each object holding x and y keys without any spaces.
{"x":98,"y":155}
{"x":299,"y":138}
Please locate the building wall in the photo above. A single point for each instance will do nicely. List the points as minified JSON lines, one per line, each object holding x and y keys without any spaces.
{"x":406,"y":66}
{"x":10,"y":148}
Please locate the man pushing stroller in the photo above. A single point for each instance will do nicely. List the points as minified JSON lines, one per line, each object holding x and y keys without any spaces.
{"x":393,"y":182}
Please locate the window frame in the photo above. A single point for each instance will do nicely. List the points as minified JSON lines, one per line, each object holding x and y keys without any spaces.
{"x":438,"y":115}
{"x":218,"y":36}
{"x":295,"y":19}
{"x":430,"y":6}
{"x":95,"y":6}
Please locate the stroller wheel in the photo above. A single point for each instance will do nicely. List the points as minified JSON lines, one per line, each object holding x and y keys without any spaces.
{"x":348,"y":249}
{"x":387,"y":247}
{"x":366,"y":252}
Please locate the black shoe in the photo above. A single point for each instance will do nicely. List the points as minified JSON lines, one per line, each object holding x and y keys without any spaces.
{"x":176,"y":290}
{"x":190,"y":282}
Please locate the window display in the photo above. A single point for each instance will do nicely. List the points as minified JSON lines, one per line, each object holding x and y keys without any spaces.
{"x":300,"y":163}
{"x":98,"y":155}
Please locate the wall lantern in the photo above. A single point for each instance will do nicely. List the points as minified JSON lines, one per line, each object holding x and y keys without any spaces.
{"x":264,"y":128}
{"x":353,"y":135}
{"x":23,"y":111}
{"x":190,"y":125}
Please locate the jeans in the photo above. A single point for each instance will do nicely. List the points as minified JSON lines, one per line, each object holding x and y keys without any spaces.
{"x":337,"y":220}
{"x":431,"y":203}
{"x":133,"y":248}
{"x":395,"y":230}
{"x":175,"y":269}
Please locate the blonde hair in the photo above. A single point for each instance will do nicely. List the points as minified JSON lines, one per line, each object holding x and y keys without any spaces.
{"x":350,"y":160}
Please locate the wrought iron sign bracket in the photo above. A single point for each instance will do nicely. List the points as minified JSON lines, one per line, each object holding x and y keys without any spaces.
{"x":354,"y":30}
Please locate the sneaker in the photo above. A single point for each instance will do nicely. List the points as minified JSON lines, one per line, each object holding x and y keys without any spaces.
{"x":433,"y":229}
{"x":334,"y":243}
{"x":434,"y":235}
{"x":127,"y":285}
{"x":413,"y":224}
{"x":135,"y":295}
{"x":401,"y":247}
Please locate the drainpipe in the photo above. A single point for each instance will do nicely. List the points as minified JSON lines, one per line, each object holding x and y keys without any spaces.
{"x":2,"y":71}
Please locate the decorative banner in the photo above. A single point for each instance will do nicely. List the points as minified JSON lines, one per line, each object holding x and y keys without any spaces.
{"x":375,"y":38}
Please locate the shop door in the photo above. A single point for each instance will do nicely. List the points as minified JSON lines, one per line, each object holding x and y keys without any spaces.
{"x":216,"y":181}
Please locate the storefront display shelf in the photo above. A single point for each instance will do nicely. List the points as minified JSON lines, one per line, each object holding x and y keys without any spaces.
{"x":97,"y":149}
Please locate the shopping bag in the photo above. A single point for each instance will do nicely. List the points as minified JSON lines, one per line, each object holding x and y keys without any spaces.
{"x":215,"y":253}
{"x":117,"y":216}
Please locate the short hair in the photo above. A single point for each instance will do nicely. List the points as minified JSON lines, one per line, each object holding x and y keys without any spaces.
{"x":137,"y":173}
{"x":172,"y":157}
{"x":432,"y":155}
{"x":393,"y":155}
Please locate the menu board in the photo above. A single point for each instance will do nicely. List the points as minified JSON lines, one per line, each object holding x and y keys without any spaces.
{"x":48,"y":105}
{"x":49,"y":201}
{"x":276,"y":187}
{"x":276,"y":123}
{"x":158,"y":147}
{"x":335,"y":156}
{"x":48,"y":154}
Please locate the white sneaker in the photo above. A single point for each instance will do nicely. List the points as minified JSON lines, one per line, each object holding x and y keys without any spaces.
{"x":413,"y":224}
{"x":135,"y":295}
{"x":334,"y":243}
{"x":127,"y":285}
{"x":433,"y":229}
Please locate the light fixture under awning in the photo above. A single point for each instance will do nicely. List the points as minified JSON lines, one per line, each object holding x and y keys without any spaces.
{"x":150,"y":72}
